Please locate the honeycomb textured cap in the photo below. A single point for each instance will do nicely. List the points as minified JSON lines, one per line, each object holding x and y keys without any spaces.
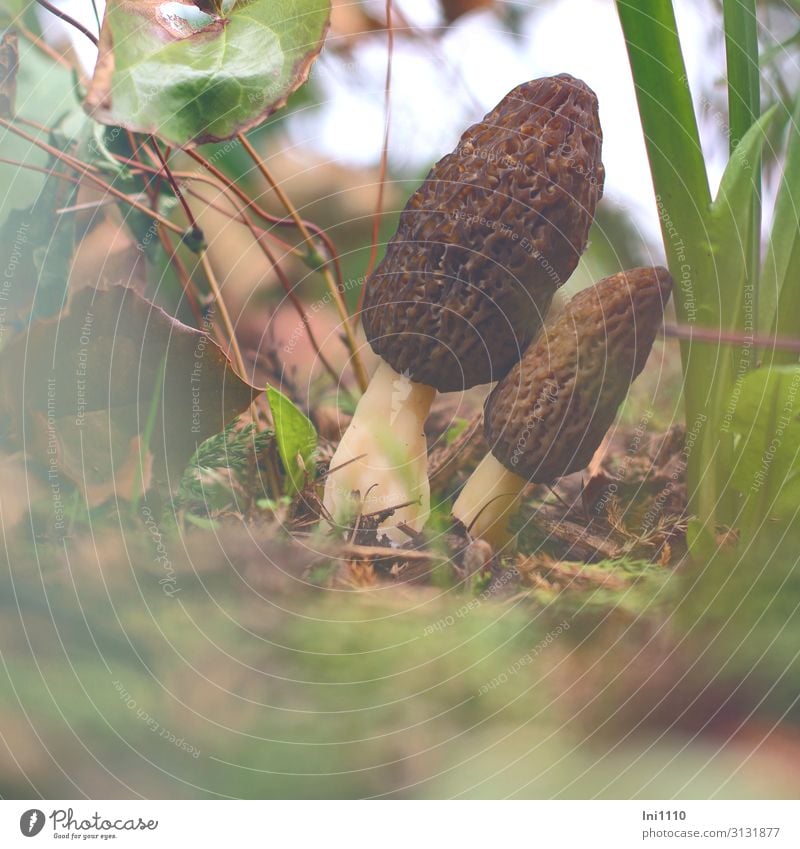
{"x":482,"y":246}
{"x":548,"y":416}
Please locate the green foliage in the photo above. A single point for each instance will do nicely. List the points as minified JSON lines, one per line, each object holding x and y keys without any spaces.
{"x":45,"y":94}
{"x":296,"y":438}
{"x":226,"y":458}
{"x":37,"y":245}
{"x":200,"y":76}
{"x":713,"y":248}
{"x":767,"y":468}
{"x":780,"y":292}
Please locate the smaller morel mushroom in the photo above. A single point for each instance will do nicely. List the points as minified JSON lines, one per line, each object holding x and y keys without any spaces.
{"x":480,"y":250}
{"x":548,"y":416}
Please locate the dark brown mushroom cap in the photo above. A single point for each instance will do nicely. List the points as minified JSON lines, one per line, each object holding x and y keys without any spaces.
{"x":484,"y":243}
{"x":548,"y":416}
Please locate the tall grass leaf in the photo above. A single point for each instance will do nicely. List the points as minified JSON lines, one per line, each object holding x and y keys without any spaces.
{"x":781,"y":273}
{"x":767,"y":467}
{"x":731,"y":224}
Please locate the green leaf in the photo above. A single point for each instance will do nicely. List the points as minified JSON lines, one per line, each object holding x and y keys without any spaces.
{"x":744,"y":82}
{"x":732,"y":223}
{"x":36,"y":246}
{"x":296,"y":438}
{"x":668,"y":119}
{"x":13,"y":9}
{"x":192,"y":75}
{"x":780,"y":278}
{"x":684,"y":198}
{"x":9,"y":62}
{"x":45,"y":93}
{"x":767,"y":467}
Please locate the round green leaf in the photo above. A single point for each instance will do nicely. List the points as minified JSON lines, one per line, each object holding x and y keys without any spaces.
{"x":201,"y":72}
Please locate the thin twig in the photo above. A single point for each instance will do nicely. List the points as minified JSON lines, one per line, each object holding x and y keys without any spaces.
{"x":197,"y":233}
{"x":49,"y":171}
{"x":704,"y":334}
{"x":224,"y":314}
{"x":85,"y":171}
{"x":184,"y":277}
{"x":262,"y":213}
{"x":387,"y":116}
{"x":54,"y":10}
{"x":257,"y":234}
{"x":287,"y":286}
{"x":358,"y":367}
{"x":96,"y":13}
{"x":367,"y":551}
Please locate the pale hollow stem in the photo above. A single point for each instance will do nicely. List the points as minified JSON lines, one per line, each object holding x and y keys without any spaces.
{"x":488,"y":501}
{"x":382,"y":459}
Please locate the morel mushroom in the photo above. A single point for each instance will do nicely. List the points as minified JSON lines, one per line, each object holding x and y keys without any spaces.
{"x":548,"y":416}
{"x":480,"y":249}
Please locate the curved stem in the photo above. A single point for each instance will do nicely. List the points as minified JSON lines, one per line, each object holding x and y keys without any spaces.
{"x":83,"y":170}
{"x":387,"y":118}
{"x":54,"y":10}
{"x":223,"y":312}
{"x":358,"y":366}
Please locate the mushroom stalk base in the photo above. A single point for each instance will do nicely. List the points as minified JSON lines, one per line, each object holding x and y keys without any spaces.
{"x":488,"y":500}
{"x":382,"y":458}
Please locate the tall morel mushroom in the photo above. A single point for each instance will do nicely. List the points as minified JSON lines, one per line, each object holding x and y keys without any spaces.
{"x":548,"y":416}
{"x":480,"y":249}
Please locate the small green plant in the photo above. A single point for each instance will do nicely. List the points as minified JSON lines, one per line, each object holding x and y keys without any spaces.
{"x":737,"y":314}
{"x":296,"y":439}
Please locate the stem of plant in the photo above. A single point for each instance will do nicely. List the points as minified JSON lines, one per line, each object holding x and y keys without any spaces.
{"x":358,"y":366}
{"x":257,"y":233}
{"x":223,"y":312}
{"x":185,"y":279}
{"x":83,"y":170}
{"x":387,"y":119}
{"x":229,"y":329}
{"x":284,"y":280}
{"x":54,"y":10}
{"x":249,"y":203}
{"x":197,"y":233}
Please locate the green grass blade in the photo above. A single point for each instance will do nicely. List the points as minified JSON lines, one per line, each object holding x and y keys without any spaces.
{"x":744,"y":107}
{"x":680,"y":180}
{"x":731,"y":223}
{"x":665,"y":107}
{"x":781,"y":273}
{"x":741,"y":52}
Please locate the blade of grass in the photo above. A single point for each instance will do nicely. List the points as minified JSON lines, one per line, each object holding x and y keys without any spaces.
{"x":682,"y":191}
{"x":744,"y":107}
{"x":781,"y":272}
{"x":741,"y":53}
{"x":731,"y":237}
{"x":387,"y":122}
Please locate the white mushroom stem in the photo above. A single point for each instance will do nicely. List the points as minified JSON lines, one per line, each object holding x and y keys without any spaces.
{"x":382,"y":459}
{"x":488,"y":500}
